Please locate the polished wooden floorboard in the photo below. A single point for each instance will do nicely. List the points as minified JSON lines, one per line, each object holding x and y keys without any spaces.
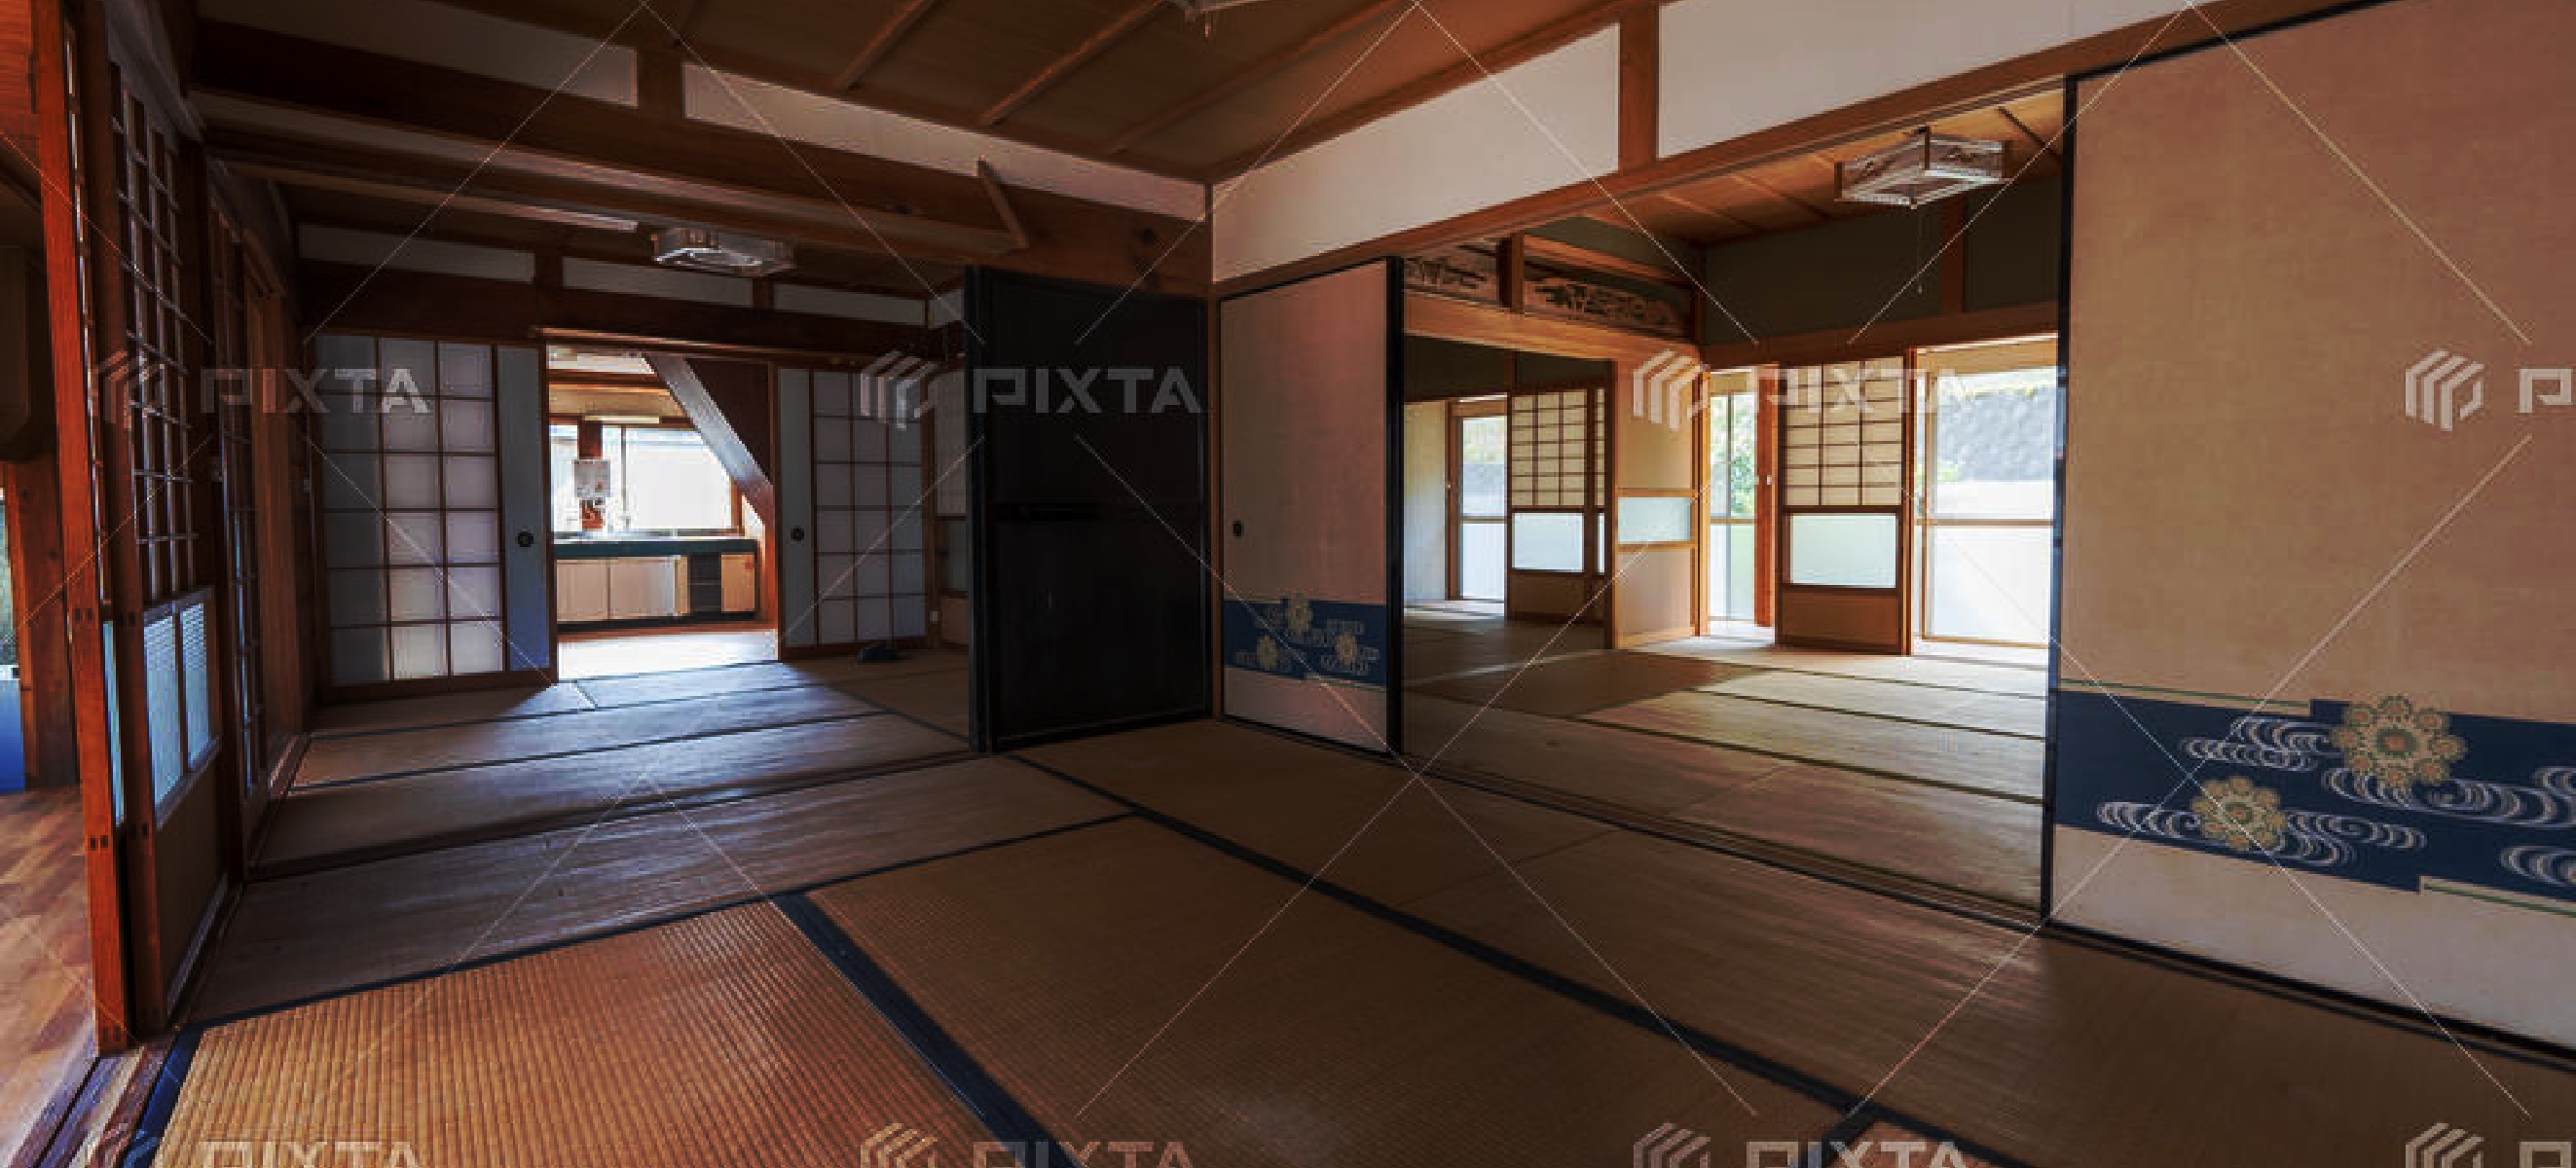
{"x":47,"y":1029}
{"x":610,"y":654}
{"x":296,"y":937}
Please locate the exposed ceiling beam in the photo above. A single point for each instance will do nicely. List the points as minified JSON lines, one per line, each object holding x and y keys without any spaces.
{"x":448,"y":199}
{"x":883,"y":42}
{"x":1073,"y":59}
{"x":646,"y":32}
{"x":1002,"y":207}
{"x":501,"y":172}
{"x":1812,"y":211}
{"x":2043,"y":145}
{"x":1260,"y":70}
{"x":1694,"y":206}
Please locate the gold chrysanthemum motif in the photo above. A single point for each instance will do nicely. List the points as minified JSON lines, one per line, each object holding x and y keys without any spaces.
{"x":2398,"y":744}
{"x":1267,"y":653}
{"x":2240,"y":815}
{"x":1301,"y":616}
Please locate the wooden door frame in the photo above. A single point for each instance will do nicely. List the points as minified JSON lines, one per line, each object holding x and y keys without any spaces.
{"x":1903,"y":589}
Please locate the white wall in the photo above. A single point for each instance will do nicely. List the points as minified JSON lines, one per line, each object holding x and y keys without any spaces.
{"x":1540,"y":125}
{"x":1732,"y":67}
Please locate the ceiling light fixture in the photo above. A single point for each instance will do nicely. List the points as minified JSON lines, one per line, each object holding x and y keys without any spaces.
{"x":1924,"y":168}
{"x":721,"y":253}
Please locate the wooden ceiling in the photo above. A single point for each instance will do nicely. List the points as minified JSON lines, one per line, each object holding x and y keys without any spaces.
{"x":1135,"y":81}
{"x":1803,"y":189}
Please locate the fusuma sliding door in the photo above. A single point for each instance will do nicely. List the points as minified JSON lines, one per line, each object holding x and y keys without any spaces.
{"x":1309,"y":483}
{"x":1088,"y":442}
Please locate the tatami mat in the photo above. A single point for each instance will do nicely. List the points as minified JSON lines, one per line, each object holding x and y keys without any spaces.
{"x":1433,"y":652}
{"x":1072,"y":970}
{"x":1915,"y":670}
{"x":2068,"y":1055}
{"x":721,"y":1040}
{"x":645,"y":688}
{"x":1581,"y":685}
{"x":333,"y":824}
{"x":1642,"y":772}
{"x":307,"y":935}
{"x":1968,"y":759}
{"x":447,"y":709}
{"x":1978,"y":844}
{"x":1967,"y":709}
{"x":938,"y":697}
{"x":1309,"y":806}
{"x":407,"y":751}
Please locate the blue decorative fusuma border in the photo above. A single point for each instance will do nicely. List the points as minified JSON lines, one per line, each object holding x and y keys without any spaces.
{"x":1310,"y":640}
{"x":2386,"y":792}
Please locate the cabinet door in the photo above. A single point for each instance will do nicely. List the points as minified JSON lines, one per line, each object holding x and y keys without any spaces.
{"x":741,"y":585}
{"x":640,"y":589}
{"x":581,"y":590}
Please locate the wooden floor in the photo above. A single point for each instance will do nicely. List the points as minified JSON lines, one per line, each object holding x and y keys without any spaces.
{"x":47,"y":1028}
{"x":612,"y":654}
{"x":1265,"y":952}
{"x":1922,"y":774}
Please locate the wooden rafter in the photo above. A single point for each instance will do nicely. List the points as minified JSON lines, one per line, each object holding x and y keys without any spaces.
{"x":1694,"y":206}
{"x":1001,"y":196}
{"x":1075,"y":58}
{"x":2043,"y":145}
{"x":1813,"y":211}
{"x":887,"y":36}
{"x":1260,"y":70}
{"x":321,"y":178}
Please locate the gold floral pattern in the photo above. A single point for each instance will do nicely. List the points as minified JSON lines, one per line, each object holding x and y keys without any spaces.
{"x":2396,"y":743}
{"x":1300,"y":616}
{"x":1267,"y":653}
{"x":2240,"y":815}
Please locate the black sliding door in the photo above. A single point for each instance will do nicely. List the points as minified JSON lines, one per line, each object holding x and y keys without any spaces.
{"x":1091,"y":587}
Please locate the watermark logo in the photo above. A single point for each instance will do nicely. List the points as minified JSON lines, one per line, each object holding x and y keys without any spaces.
{"x":1669,"y":1147}
{"x":1086,"y":391}
{"x":143,"y":378}
{"x":1866,"y":1153}
{"x":891,"y":387}
{"x":1095,"y":1154}
{"x":2433,"y":386}
{"x":898,"y":1146}
{"x":1660,"y":391}
{"x":2445,"y":1146}
{"x":318,"y":1154}
{"x":2445,"y":388}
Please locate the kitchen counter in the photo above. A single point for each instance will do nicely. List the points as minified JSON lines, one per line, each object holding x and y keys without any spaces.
{"x":631,"y":547}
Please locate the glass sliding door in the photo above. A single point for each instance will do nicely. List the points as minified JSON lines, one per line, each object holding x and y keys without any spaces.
{"x":1734,"y":410}
{"x":1843,"y":443}
{"x":1484,"y":501}
{"x":1989,"y":501}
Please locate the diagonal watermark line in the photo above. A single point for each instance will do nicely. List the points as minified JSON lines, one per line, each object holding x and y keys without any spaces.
{"x":1217,"y":199}
{"x":1415,"y":777}
{"x":479,"y":167}
{"x":431,"y":982}
{"x":2351,"y":164}
{"x":2191,"y":774}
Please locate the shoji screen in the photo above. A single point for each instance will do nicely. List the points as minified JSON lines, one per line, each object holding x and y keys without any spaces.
{"x":413,"y":517}
{"x":870,"y":580}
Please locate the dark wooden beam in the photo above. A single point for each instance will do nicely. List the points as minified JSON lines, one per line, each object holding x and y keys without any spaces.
{"x":331,"y":102}
{"x":462,"y":308}
{"x":887,"y":36}
{"x":1566,"y":255}
{"x":669,"y":31}
{"x":313,"y":175}
{"x":1002,"y":207}
{"x":1258,"y":71}
{"x":1075,"y":58}
{"x":1640,"y":84}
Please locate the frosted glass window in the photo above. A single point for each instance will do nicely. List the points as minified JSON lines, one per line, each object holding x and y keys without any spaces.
{"x":473,"y":483}
{"x":413,"y":538}
{"x":474,"y":647}
{"x":1730,"y":571}
{"x":1843,"y":550}
{"x":465,"y":426}
{"x":1647,"y":519}
{"x":411,"y":482}
{"x":1990,"y":583}
{"x":358,"y":656}
{"x":1547,"y":541}
{"x":1480,"y":561}
{"x":419,"y":650}
{"x":163,"y":708}
{"x":412,"y":594}
{"x":409,"y":427}
{"x":200,"y":683}
{"x":474,"y":592}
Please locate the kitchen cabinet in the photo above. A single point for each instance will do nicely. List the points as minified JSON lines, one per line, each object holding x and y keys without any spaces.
{"x":741,"y":585}
{"x":581,"y":590}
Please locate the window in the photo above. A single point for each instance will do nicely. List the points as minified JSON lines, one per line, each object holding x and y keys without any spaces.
{"x":1733,"y":418}
{"x":659,"y":479}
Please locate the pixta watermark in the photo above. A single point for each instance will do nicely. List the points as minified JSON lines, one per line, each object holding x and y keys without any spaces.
{"x":304,"y":1154}
{"x":901,"y":1145}
{"x":2444,"y":388}
{"x":2445,"y":1146}
{"x":1672,"y":1146}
